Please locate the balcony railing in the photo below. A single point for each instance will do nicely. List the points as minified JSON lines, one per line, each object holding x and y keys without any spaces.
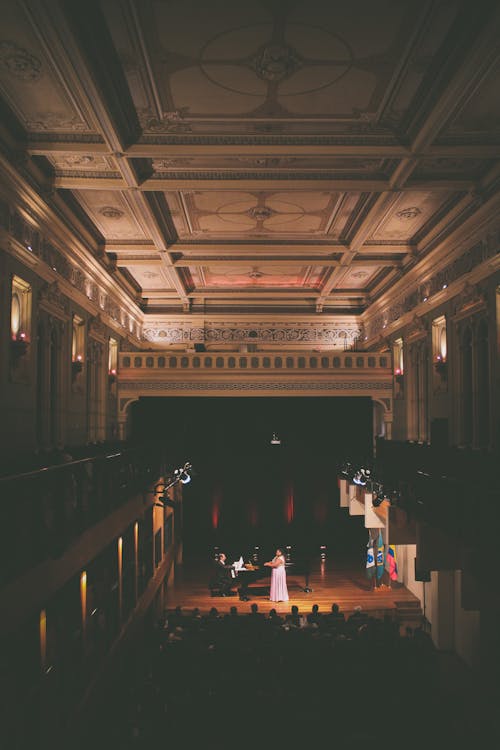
{"x":297,"y":362}
{"x":45,"y":510}
{"x":452,"y":488}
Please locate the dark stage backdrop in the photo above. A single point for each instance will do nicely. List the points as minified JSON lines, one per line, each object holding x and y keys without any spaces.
{"x":247,"y":492}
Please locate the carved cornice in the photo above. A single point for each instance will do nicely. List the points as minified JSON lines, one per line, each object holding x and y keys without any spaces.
{"x":274,"y":386}
{"x":38,"y":249}
{"x":97,"y":329}
{"x":470,"y":301}
{"x":460,"y":266}
{"x":51,"y":299}
{"x":253,"y":333}
{"x":419,"y":328}
{"x":381,"y":139}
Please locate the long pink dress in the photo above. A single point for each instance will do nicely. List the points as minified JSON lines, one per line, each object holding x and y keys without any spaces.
{"x":279,"y":591}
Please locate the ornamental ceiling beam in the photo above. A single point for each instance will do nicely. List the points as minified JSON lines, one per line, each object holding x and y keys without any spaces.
{"x":280,"y":262}
{"x":256,"y":182}
{"x":207,"y":249}
{"x":474,"y":64}
{"x":36,"y":146}
{"x":477,"y":61}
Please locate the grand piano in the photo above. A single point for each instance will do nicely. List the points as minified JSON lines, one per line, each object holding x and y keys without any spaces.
{"x":248,"y":575}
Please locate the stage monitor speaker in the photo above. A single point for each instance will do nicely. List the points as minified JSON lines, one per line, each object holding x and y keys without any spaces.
{"x":422,"y":575}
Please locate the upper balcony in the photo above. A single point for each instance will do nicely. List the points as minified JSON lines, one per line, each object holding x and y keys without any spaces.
{"x":297,"y":373}
{"x":46,"y":510}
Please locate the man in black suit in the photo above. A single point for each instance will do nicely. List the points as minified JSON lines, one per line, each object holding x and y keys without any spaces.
{"x":222,"y":576}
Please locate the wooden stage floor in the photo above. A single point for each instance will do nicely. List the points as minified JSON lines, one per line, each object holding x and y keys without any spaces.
{"x":330,"y":581}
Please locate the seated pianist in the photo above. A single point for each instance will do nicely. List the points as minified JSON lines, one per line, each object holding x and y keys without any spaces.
{"x":222,"y":578}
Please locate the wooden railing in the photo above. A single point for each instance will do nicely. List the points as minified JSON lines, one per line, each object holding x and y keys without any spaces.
{"x":318,"y":362}
{"x":45,"y":510}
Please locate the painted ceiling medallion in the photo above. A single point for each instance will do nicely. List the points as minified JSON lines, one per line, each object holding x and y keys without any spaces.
{"x":409,"y":213}
{"x":19,"y":62}
{"x":360,"y":274}
{"x":275,"y":62}
{"x":255,"y":274}
{"x":110,"y":212}
{"x":261,"y":213}
{"x":150,"y":274}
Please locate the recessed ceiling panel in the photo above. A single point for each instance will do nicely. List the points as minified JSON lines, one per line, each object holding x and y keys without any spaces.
{"x":28,"y":81}
{"x":110,"y":213}
{"x":358,"y":277}
{"x":219,"y":61}
{"x":148,"y":277}
{"x":289,"y":214}
{"x":481,"y":113}
{"x":408,"y":214}
{"x":232,"y":276}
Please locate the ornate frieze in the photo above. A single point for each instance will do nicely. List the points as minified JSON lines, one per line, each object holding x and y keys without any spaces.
{"x":97,"y":329}
{"x":471,"y":300}
{"x":53,"y":300}
{"x":42,"y":248}
{"x":185,"y":332}
{"x":460,"y":266}
{"x":278,"y":385}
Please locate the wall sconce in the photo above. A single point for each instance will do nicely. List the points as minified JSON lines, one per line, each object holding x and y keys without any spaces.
{"x":19,"y":346}
{"x":112,"y":376}
{"x":399,"y":375}
{"x":76,"y":366}
{"x":441,"y":366}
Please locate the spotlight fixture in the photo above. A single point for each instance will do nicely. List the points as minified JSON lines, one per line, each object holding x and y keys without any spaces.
{"x":275,"y":439}
{"x":347,"y":470}
{"x":362,"y":476}
{"x":181,"y":475}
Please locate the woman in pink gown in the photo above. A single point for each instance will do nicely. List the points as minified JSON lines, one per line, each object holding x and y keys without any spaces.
{"x":279,"y":591}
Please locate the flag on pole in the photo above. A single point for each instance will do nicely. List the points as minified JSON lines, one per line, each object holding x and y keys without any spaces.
{"x":380,"y":556}
{"x":370,"y":559}
{"x":391,"y":563}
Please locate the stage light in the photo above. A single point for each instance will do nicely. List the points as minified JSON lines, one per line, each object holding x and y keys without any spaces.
{"x":275,"y":439}
{"x":361,"y":477}
{"x":346,"y":470}
{"x":322,"y":551}
{"x":181,"y":475}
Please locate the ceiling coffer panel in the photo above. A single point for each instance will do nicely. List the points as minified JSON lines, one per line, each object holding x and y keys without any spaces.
{"x":111,"y":214}
{"x":29,"y":81}
{"x":292,"y":62}
{"x":408,"y":213}
{"x":260,"y":156}
{"x":253,"y":276}
{"x":227,"y":214}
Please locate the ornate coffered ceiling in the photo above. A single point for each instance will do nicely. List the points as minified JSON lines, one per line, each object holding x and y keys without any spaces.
{"x":246,"y":157}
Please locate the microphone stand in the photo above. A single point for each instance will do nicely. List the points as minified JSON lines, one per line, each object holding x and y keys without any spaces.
{"x":307,"y":569}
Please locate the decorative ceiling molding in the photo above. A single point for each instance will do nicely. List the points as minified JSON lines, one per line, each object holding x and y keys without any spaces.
{"x":273,"y":158}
